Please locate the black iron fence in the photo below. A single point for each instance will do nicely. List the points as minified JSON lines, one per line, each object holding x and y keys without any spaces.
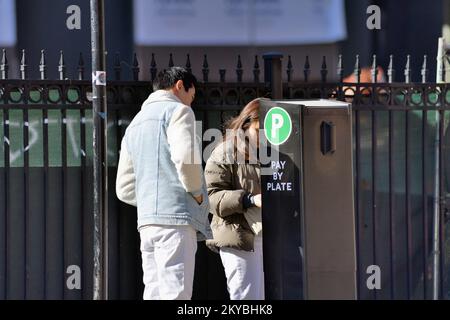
{"x":400,"y":159}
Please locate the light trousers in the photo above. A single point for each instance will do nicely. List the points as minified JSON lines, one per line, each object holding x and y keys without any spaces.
{"x":168,"y":261}
{"x":244,"y":272}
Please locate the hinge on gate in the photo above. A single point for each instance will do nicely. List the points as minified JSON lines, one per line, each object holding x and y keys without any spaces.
{"x":446,"y":204}
{"x":446,"y":215}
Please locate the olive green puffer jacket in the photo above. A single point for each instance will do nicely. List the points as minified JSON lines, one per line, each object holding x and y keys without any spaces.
{"x":227,"y":182}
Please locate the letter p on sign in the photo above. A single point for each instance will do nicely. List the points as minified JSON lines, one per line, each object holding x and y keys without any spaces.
{"x":277,"y":126}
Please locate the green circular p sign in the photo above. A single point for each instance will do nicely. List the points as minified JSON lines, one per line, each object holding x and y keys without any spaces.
{"x":277,"y":126}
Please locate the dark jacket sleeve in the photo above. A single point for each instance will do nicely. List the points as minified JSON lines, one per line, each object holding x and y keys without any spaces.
{"x":224,"y":199}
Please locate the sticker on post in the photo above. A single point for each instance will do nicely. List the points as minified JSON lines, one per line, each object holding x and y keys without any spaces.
{"x":99,"y":78}
{"x":277,"y":126}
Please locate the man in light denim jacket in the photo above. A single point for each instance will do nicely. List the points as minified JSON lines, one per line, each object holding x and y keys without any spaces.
{"x":160,"y":172}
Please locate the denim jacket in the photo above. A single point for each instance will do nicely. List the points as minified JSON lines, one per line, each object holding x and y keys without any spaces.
{"x":160,"y":169}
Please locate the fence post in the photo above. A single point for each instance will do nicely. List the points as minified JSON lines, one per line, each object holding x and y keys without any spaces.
{"x":273,"y":74}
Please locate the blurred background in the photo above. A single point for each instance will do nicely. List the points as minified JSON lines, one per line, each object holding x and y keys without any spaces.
{"x":223,"y":29}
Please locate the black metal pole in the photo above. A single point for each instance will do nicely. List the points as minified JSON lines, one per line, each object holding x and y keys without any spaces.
{"x":99,"y":113}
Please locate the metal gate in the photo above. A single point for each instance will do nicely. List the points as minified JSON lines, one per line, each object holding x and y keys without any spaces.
{"x":46,"y":223}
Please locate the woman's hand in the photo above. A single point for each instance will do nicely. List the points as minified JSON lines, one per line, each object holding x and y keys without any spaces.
{"x":257,"y":200}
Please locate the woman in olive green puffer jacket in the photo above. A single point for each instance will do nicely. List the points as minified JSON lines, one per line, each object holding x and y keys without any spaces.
{"x":232,"y":176}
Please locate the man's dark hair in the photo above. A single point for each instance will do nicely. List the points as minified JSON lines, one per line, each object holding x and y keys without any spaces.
{"x":166,"y":79}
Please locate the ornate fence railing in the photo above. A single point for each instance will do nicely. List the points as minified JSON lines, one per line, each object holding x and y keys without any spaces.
{"x":401,"y":156}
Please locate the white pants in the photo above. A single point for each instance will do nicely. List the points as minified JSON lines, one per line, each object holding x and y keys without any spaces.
{"x":244,"y":272}
{"x":168,"y":261}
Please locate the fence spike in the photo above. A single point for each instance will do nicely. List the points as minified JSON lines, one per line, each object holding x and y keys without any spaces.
{"x":153,"y":69}
{"x":307,"y":69}
{"x":222,"y":73}
{"x":374,"y":70}
{"x":340,"y":69}
{"x":43,"y":66}
{"x":80,"y":68}
{"x":324,"y":71}
{"x":61,"y":66}
{"x":205,"y":69}
{"x":171,"y":61}
{"x":135,"y":68}
{"x":357,"y":69}
{"x":391,"y":70}
{"x":408,"y":69}
{"x":424,"y":71}
{"x":239,"y":70}
{"x":23,"y":66}
{"x":289,"y":69}
{"x":239,"y":63}
{"x":188,"y":63}
{"x":117,"y":66}
{"x":442,"y":75}
{"x":4,"y":59}
{"x":4,"y":66}
{"x":256,"y":70}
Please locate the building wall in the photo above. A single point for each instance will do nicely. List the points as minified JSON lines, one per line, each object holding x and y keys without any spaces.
{"x":42,"y":25}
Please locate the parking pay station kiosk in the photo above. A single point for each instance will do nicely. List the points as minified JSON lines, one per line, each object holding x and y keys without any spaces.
{"x":308,"y":210}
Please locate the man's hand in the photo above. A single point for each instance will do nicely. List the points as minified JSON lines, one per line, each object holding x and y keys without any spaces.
{"x":199,"y":199}
{"x":257,"y":200}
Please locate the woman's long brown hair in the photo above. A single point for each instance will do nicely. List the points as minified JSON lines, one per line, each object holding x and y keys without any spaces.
{"x":243,"y":121}
{"x":246,"y":117}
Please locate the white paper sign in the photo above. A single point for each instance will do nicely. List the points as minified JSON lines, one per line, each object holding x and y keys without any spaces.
{"x":238,"y":22}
